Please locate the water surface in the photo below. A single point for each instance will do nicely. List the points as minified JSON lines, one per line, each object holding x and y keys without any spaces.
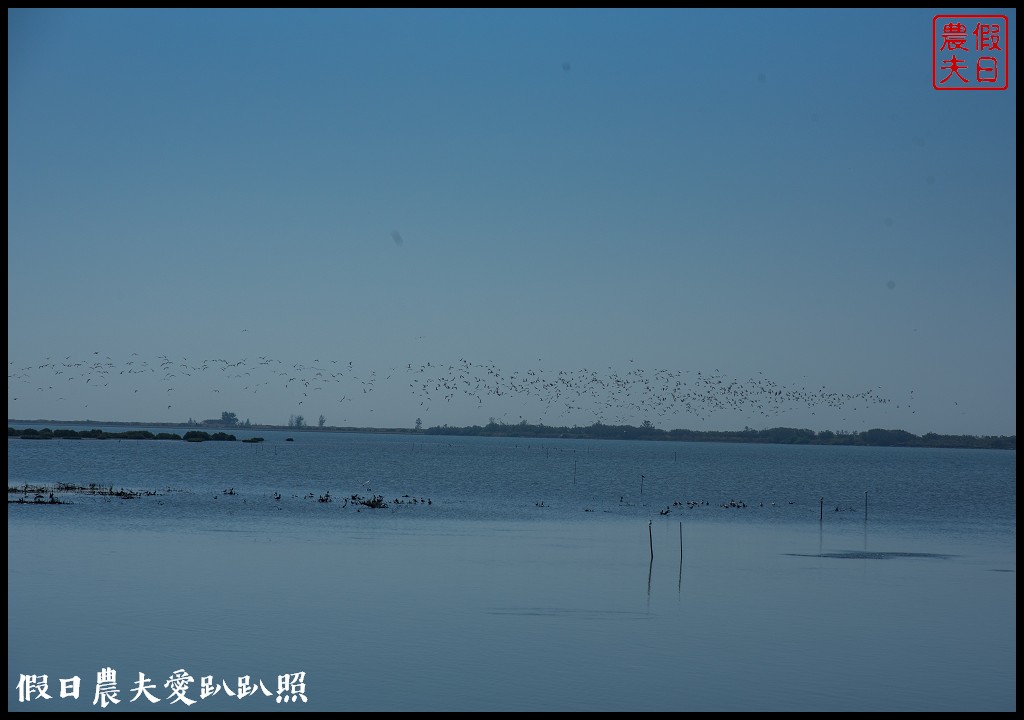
{"x":527,"y":581}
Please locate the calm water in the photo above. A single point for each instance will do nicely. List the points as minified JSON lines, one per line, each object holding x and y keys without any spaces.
{"x":522,"y":578}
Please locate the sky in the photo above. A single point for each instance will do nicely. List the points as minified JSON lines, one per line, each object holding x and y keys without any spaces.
{"x":701,"y":219}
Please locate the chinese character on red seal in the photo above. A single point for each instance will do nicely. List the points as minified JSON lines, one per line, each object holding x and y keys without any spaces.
{"x":970,"y":52}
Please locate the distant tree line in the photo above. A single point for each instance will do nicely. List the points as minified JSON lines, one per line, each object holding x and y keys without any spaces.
{"x":226,"y":419}
{"x":598,"y":431}
{"x":775,"y":436}
{"x":68,"y":434}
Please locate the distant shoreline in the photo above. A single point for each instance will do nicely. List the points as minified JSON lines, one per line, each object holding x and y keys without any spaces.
{"x":216,"y":426}
{"x":773,"y":436}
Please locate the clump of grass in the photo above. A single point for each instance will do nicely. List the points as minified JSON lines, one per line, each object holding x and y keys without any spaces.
{"x":375,"y":502}
{"x":38,"y":499}
{"x":39,"y":492}
{"x":26,"y":489}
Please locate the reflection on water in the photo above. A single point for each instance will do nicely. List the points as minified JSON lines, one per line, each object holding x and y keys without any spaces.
{"x":483,"y":600}
{"x":865,"y":555}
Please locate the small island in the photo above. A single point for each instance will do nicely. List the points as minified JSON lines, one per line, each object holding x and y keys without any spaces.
{"x":96,"y":434}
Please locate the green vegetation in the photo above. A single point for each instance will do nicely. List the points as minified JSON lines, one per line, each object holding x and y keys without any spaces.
{"x":776,"y":436}
{"x":200,"y":436}
{"x":598,"y":431}
{"x":68,"y":434}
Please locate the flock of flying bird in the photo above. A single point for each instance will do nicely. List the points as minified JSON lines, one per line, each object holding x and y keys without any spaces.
{"x":607,"y":396}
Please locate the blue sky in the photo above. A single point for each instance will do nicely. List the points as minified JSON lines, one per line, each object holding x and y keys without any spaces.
{"x":704,"y":219}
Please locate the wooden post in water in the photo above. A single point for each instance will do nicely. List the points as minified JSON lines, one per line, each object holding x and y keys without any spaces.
{"x":641,"y":484}
{"x":679,"y":585}
{"x":650,"y":536}
{"x":865,"y":506}
{"x":821,"y":511}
